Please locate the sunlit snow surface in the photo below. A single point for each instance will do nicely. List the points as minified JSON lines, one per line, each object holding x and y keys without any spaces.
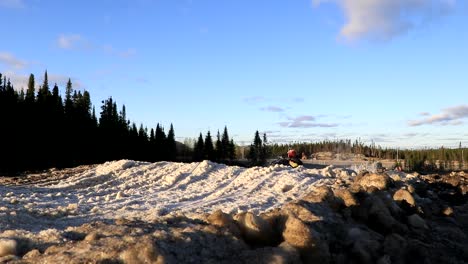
{"x":141,"y":190}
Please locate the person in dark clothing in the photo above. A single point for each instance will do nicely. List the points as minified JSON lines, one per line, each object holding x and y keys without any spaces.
{"x":293,"y":160}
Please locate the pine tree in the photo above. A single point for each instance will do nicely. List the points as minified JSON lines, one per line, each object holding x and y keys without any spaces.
{"x":30,"y":92}
{"x":44,"y":91}
{"x":208,"y":151}
{"x":232,"y":150}
{"x":142,"y":134}
{"x":264,"y":151}
{"x":151,"y":138}
{"x":198,"y":149}
{"x":257,"y":150}
{"x":160,"y":143}
{"x":225,"y":144}
{"x":219,"y":147}
{"x":171,"y":145}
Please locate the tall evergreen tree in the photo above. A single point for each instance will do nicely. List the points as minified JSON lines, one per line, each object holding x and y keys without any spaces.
{"x":208,"y":151}
{"x":160,"y":142}
{"x":232,"y":150}
{"x":219,"y":147}
{"x":44,"y":91}
{"x":257,"y":151}
{"x":30,"y":92}
{"x":225,"y":144}
{"x":198,"y":149}
{"x":171,"y":145}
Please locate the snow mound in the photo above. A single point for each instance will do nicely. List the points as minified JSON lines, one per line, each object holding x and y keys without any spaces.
{"x":114,"y":166}
{"x":141,"y":190}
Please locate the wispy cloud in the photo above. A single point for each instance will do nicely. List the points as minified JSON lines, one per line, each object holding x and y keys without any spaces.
{"x":272,"y":109}
{"x":78,"y":42}
{"x":62,"y":80}
{"x":449,"y":116}
{"x":298,"y":100}
{"x":386,"y":19}
{"x":20,"y":81}
{"x":254,"y":99}
{"x":71,"y":41}
{"x":11,"y":61}
{"x":270,"y":132}
{"x":304,"y":121}
{"x":12,"y":3}
{"x":128,"y":53}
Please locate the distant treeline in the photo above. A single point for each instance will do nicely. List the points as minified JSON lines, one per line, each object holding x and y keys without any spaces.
{"x":336,"y":146}
{"x":40,"y":130}
{"x":223,"y":150}
{"x":430,"y":159}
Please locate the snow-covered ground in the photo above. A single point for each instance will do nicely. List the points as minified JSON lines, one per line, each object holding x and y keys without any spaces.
{"x":141,"y":190}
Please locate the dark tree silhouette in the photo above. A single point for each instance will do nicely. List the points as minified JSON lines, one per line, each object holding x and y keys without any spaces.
{"x":198,"y":149}
{"x":47,"y":131}
{"x":171,"y":145}
{"x":208,"y":151}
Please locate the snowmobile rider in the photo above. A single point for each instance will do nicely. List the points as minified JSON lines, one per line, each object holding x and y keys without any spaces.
{"x":293,"y":160}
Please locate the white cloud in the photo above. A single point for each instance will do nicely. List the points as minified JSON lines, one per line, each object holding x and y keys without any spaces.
{"x":11,"y":61}
{"x":385,"y":19}
{"x":109,"y":49}
{"x":12,"y":3}
{"x":272,"y":109}
{"x":304,"y":121}
{"x":20,"y":81}
{"x":254,"y":99}
{"x":78,"y":42}
{"x":449,"y":116}
{"x":70,"y":41}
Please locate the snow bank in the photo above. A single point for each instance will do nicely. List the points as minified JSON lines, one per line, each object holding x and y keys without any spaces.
{"x":142,"y":190}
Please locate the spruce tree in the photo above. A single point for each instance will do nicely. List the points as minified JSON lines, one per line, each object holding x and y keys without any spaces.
{"x":160,"y":143}
{"x":44,"y":91}
{"x":30,"y":92}
{"x":198,"y":149}
{"x":219,"y":147}
{"x":208,"y":151}
{"x":171,"y":144}
{"x":232,"y":150}
{"x":225,"y":144}
{"x":257,"y":151}
{"x":151,"y":138}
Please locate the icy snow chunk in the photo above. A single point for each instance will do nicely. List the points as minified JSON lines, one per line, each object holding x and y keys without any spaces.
{"x":72,"y":207}
{"x":119,"y":195}
{"x":114,"y":166}
{"x":202,"y":168}
{"x":7,"y":247}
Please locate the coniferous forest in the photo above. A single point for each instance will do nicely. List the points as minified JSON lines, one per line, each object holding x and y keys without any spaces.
{"x":40,"y":129}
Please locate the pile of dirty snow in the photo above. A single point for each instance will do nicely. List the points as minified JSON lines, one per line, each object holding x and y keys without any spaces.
{"x":145,"y":191}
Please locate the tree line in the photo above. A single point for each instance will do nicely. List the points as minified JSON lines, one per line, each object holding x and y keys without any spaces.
{"x":40,"y":130}
{"x":223,"y":150}
{"x":428,"y":159}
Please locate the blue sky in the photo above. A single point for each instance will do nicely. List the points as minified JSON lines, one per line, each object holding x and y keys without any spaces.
{"x":392,"y":71}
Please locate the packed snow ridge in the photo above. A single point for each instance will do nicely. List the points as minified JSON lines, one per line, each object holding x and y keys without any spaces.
{"x":145,"y":191}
